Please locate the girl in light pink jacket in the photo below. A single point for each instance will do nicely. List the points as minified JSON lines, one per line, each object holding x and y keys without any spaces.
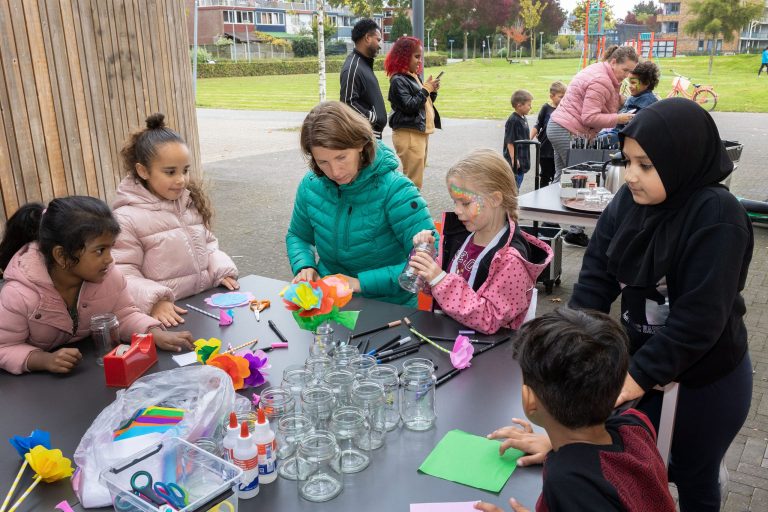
{"x":165,"y":248}
{"x":486,"y":267}
{"x":58,"y":269}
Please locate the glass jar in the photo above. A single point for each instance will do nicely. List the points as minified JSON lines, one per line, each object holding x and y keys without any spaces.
{"x":409,"y":280}
{"x":369,"y":396}
{"x":277,"y":402}
{"x":105,"y":332}
{"x":340,"y":381}
{"x":319,"y":473}
{"x":417,"y":396}
{"x":344,"y":354}
{"x":318,"y":367}
{"x":318,"y":403}
{"x":291,"y":429}
{"x":420,"y":361}
{"x":296,"y":377}
{"x":350,"y":428}
{"x":322,"y":343}
{"x":361,"y":364}
{"x":386,"y":376}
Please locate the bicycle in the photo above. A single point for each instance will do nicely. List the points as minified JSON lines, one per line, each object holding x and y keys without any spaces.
{"x":704,"y":95}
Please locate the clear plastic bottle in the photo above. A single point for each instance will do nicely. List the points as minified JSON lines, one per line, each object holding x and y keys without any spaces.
{"x":230,"y":437}
{"x":264,"y":438}
{"x":246,"y":457}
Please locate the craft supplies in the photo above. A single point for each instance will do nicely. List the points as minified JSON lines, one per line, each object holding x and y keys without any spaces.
{"x":471,"y":460}
{"x":241,"y":346}
{"x":386,"y":376}
{"x":48,"y":465}
{"x":315,"y":302}
{"x":291,"y":429}
{"x":349,"y":426}
{"x":279,"y":345}
{"x":201,"y":311}
{"x":229,"y":300}
{"x":105,"y":333}
{"x":377,"y":329}
{"x":246,"y":457}
{"x":264,"y":438}
{"x":319,"y":473}
{"x":417,"y":395}
{"x":398,"y":355}
{"x":230,"y":436}
{"x":369,"y":397}
{"x":226,"y":317}
{"x":277,"y":331}
{"x":385,"y":346}
{"x":257,"y":306}
{"x":455,"y":371}
{"x":149,"y":420}
{"x":123,"y":366}
{"x":23,"y":445}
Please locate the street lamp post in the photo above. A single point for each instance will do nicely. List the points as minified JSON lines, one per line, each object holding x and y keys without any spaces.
{"x":541,"y":46}
{"x":450,"y":41}
{"x":428,"y":31}
{"x":487,"y":39}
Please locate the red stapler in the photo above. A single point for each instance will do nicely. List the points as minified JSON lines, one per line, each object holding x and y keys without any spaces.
{"x":123,"y":366}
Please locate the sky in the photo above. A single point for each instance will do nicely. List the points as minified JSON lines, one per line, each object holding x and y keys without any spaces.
{"x":620,"y":7}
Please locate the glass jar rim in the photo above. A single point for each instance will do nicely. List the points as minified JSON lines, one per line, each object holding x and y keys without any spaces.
{"x":320,"y":444}
{"x":288,"y":423}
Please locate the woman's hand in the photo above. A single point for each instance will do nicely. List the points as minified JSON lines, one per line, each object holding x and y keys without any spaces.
{"x":61,"y":361}
{"x":167,"y":313}
{"x":629,"y":391}
{"x":524,"y":439}
{"x":431,"y":85}
{"x":625,"y":117}
{"x":425,"y":266}
{"x":172,"y":341}
{"x":425,"y":236}
{"x":230,"y":283}
{"x":354,"y":283}
{"x":306,"y":274}
{"x":489,"y":507}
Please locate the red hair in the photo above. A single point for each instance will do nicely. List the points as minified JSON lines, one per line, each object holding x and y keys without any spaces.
{"x":399,"y":57}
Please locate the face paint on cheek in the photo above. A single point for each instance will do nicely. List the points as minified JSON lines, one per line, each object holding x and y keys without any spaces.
{"x":475,"y":200}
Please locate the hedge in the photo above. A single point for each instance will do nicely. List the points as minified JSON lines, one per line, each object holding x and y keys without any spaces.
{"x":266,"y":67}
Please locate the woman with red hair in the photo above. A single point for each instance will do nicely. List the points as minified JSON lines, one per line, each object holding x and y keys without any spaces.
{"x":413,"y":116}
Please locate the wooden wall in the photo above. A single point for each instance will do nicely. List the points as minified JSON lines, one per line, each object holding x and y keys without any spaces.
{"x":76,"y":77}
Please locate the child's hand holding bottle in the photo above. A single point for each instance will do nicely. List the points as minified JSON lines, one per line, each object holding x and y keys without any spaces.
{"x":423,"y":262}
{"x":172,"y":341}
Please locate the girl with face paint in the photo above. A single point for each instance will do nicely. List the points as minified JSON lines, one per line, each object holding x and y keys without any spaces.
{"x":676,"y":245}
{"x":486,"y":267}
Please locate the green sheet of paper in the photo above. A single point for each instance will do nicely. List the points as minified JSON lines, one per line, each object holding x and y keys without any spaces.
{"x":471,"y":460}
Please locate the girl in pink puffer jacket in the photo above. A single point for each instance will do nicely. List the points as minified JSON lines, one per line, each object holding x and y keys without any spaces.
{"x":165,"y":249}
{"x":58,"y":271}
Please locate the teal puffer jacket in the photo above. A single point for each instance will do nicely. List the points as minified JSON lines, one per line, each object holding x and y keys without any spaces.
{"x":363,"y":229}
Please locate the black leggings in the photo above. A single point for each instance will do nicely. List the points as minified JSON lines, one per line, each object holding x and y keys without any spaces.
{"x":707,"y":420}
{"x":761,"y":69}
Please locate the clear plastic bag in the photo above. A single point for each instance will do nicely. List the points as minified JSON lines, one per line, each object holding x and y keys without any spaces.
{"x":204,"y":392}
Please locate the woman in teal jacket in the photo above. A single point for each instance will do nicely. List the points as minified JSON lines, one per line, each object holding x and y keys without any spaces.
{"x":355,"y":214}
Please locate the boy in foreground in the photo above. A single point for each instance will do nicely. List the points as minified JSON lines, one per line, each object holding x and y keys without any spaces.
{"x":574,"y":364}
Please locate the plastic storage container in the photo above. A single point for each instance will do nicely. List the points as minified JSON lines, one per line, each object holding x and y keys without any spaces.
{"x":208,"y":482}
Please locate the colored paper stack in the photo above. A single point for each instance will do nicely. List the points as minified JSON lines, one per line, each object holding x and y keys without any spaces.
{"x":151,"y":420}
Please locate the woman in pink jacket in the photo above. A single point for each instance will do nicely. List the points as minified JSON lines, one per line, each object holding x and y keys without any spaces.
{"x":165,"y":248}
{"x":59,"y":273}
{"x":590,"y":104}
{"x":487,"y":267}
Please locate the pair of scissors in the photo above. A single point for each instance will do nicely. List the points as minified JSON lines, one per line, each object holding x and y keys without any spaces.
{"x":159,"y":493}
{"x":173,"y":495}
{"x":257,"y":306}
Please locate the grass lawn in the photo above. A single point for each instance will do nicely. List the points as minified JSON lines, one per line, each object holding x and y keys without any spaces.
{"x":482,"y":88}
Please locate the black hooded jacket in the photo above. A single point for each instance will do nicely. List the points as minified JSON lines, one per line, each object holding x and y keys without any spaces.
{"x":679,"y":265}
{"x":360,"y":90}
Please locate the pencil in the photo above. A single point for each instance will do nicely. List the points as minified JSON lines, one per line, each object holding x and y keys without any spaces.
{"x":377,"y":329}
{"x":277,"y":331}
{"x":202,"y":311}
{"x":408,"y":351}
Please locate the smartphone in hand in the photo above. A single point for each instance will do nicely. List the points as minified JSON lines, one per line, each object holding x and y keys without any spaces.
{"x":439,"y":75}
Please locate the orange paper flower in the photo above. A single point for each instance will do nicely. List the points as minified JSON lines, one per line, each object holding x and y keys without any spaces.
{"x":339,"y":289}
{"x":235,"y":366}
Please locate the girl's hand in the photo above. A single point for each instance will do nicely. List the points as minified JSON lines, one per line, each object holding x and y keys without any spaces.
{"x":61,"y":361}
{"x":524,"y":439}
{"x":168,"y":313}
{"x":425,"y":266}
{"x":630,"y":391}
{"x":625,"y":117}
{"x":424,"y":236}
{"x":172,"y":341}
{"x":306,"y":274}
{"x":230,"y":283}
{"x":489,"y":507}
{"x":354,"y":283}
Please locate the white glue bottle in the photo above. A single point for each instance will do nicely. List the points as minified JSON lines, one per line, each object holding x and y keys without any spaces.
{"x":246,"y":457}
{"x":264,"y":438}
{"x":230,"y":437}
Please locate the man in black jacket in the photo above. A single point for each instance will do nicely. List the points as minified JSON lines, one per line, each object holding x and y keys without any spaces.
{"x":359,"y":86}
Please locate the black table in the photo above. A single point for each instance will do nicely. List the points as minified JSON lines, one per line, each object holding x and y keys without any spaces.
{"x":478,"y":400}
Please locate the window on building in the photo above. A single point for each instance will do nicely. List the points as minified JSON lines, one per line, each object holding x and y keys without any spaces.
{"x":672,"y":8}
{"x":701,"y":45}
{"x":270,"y":18}
{"x":238,"y":17}
{"x":672,"y":27}
{"x":387,"y":29}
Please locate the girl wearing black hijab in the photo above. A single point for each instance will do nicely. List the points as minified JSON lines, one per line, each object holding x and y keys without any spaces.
{"x":676,"y":245}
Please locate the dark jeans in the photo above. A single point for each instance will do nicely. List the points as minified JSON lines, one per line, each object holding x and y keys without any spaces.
{"x":761,"y":69}
{"x":707,"y":420}
{"x":547,"y":173}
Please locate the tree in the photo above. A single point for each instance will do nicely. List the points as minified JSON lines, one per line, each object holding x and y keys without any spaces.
{"x":580,"y":13}
{"x":721,"y":18}
{"x":530,"y":12}
{"x":401,"y":25}
{"x":366,"y":8}
{"x":648,"y":7}
{"x":329,"y":28}
{"x":515,"y":33}
{"x":552,"y":18}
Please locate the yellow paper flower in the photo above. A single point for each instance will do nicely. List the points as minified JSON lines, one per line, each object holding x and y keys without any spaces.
{"x":205,"y":349}
{"x":50,"y":465}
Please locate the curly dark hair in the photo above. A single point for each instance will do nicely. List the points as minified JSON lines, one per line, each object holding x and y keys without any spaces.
{"x":648,"y":73}
{"x":362,"y":28}
{"x":399,"y":57}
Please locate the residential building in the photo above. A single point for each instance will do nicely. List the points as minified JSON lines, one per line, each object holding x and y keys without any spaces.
{"x":675,"y":15}
{"x":754,"y":37}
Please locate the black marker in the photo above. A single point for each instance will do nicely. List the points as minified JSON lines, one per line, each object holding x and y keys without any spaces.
{"x":385,"y":346}
{"x":409,"y":351}
{"x":277,"y":331}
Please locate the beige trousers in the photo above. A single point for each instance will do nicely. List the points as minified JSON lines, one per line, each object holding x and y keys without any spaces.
{"x":411,"y":147}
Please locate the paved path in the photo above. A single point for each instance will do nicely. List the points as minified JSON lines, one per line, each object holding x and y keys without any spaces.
{"x":253,"y":166}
